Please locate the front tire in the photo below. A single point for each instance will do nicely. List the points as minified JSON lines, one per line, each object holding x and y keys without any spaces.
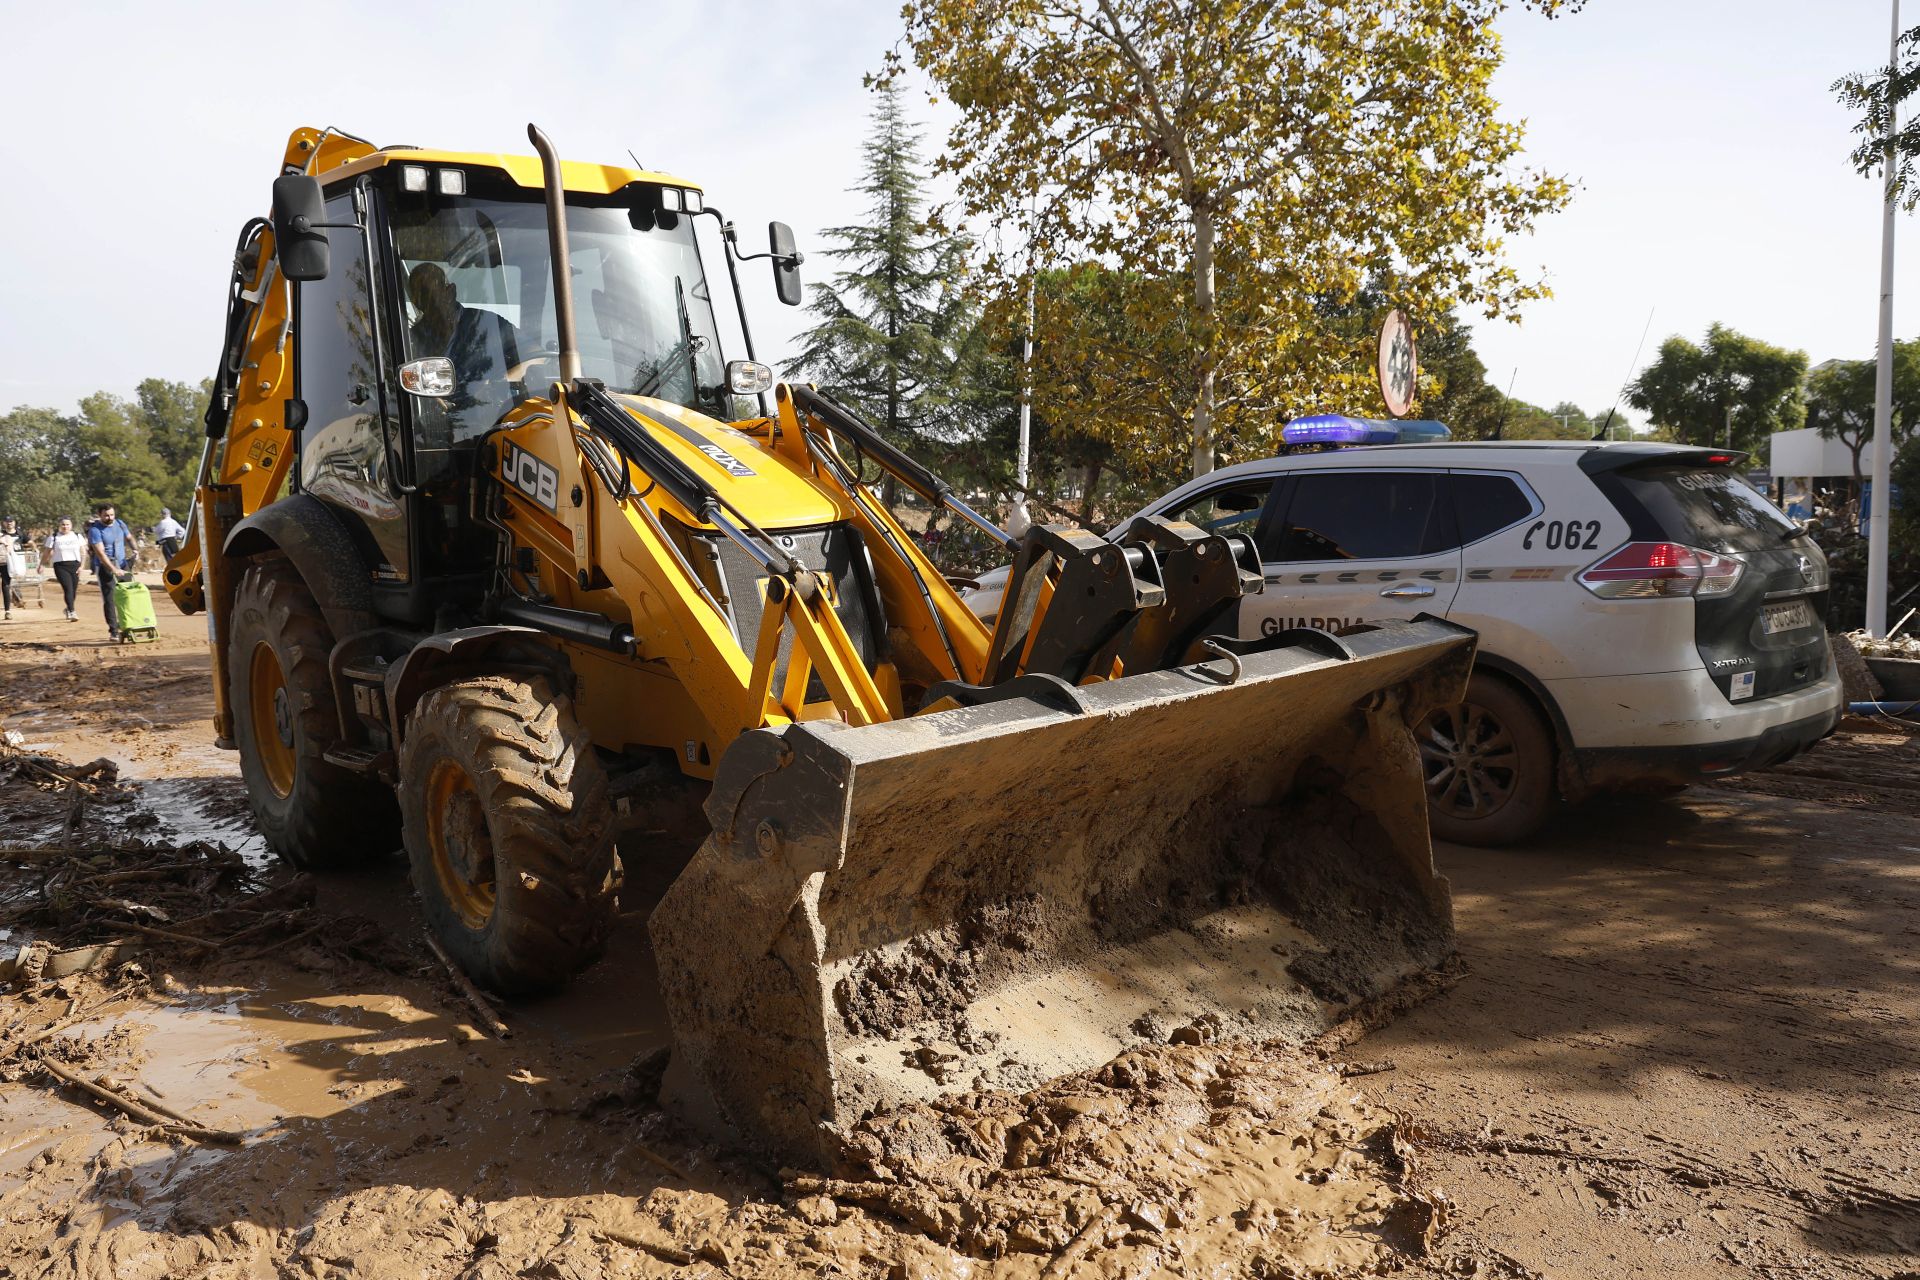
{"x":509,"y":831}
{"x":314,"y":814}
{"x":1488,"y":764}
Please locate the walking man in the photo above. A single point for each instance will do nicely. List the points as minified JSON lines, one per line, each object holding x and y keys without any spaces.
{"x":168,"y":534}
{"x":65,"y":550}
{"x":110,"y":543}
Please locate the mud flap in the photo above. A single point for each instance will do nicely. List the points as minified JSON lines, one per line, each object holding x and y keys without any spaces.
{"x":999,"y":894}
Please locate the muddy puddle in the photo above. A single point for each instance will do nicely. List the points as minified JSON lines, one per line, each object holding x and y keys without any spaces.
{"x":207,"y":808}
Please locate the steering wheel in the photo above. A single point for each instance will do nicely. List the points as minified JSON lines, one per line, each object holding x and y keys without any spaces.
{"x":518,"y":373}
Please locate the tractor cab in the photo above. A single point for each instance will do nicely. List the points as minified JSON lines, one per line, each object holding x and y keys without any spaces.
{"x":432,"y":320}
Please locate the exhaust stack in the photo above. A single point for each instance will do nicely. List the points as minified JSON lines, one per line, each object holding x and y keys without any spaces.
{"x":557,"y":250}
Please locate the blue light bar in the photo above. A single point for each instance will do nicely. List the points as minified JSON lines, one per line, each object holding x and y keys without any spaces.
{"x":1339,"y":429}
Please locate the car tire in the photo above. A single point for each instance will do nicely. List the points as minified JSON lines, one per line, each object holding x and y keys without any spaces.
{"x":1488,"y":764}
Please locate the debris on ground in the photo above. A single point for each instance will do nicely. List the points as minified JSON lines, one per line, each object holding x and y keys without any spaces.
{"x":1683,"y":1044}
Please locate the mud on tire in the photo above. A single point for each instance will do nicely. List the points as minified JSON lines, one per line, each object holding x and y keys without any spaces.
{"x":313,"y":814}
{"x":509,"y":831}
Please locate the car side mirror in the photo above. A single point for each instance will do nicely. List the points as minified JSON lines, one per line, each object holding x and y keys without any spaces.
{"x":786,"y":263}
{"x":299,"y":214}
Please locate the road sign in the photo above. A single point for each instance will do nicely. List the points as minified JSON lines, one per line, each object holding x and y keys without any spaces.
{"x":1399,"y":363}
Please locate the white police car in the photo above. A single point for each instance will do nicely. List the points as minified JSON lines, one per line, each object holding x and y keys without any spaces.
{"x":1646,"y":617}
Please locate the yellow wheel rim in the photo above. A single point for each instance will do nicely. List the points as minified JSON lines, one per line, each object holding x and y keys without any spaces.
{"x":461,"y":845}
{"x":272,"y":713}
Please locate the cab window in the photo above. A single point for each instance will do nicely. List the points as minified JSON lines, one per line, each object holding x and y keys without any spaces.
{"x":1235,"y":508}
{"x":1364,"y":515}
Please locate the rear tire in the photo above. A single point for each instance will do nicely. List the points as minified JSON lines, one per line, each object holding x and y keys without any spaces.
{"x":509,"y":831}
{"x":1488,"y":765}
{"x":313,"y":814}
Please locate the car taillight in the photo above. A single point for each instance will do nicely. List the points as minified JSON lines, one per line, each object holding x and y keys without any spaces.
{"x":1643,"y":570}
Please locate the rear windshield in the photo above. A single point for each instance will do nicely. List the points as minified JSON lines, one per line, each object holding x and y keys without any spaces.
{"x":1710,"y":508}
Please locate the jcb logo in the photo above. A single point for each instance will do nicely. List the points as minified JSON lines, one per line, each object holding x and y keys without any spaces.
{"x":532,"y":477}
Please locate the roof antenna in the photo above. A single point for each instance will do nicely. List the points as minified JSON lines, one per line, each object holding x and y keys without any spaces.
{"x":1500,"y":431}
{"x":1606,"y":426}
{"x":635,"y":159}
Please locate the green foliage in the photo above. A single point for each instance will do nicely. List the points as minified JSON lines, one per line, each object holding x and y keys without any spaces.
{"x":1875,"y":95}
{"x":1730,"y":385}
{"x":1453,"y":383}
{"x":140,"y":454}
{"x":1840,"y":395}
{"x":113,"y":452}
{"x":40,"y":501}
{"x":894,"y":326}
{"x":1231,"y":162}
{"x":173,"y":417}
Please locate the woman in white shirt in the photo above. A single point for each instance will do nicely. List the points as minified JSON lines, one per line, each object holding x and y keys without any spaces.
{"x":66,"y":549}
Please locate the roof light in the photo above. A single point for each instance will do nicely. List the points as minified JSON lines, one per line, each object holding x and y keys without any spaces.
{"x":453,"y":182}
{"x":694,"y":202}
{"x":672,"y":199}
{"x":1649,"y":570}
{"x":413,"y":177}
{"x":1338,"y":428}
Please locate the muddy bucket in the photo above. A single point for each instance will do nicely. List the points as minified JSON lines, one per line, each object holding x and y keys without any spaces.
{"x":999,"y":894}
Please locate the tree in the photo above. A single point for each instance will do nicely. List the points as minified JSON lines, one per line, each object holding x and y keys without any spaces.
{"x":1840,"y":396}
{"x":890,"y":324}
{"x":41,"y":502}
{"x":113,"y":460}
{"x":1247,"y":158}
{"x":1453,"y":383}
{"x":173,"y":416}
{"x":1874,"y":94}
{"x":1731,"y":390}
{"x":34,"y":485}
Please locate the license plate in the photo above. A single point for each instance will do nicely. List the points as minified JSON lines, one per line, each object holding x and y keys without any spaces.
{"x":1791,"y":616}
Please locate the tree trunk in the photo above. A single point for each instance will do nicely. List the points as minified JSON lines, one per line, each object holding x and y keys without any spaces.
{"x":1093,"y":485}
{"x":1203,"y":234}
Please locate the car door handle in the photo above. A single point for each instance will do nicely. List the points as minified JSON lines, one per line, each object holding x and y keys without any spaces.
{"x":1407,"y":591}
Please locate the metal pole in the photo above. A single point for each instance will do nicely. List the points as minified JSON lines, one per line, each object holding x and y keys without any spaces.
{"x":1018,"y":518}
{"x":1879,"y":518}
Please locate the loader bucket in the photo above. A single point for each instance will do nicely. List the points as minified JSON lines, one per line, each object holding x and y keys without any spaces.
{"x":1000,"y":894}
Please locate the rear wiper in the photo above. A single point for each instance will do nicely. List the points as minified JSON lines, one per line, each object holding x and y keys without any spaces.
{"x":1796,"y":533}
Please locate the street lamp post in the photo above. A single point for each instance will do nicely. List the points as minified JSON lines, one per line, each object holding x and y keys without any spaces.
{"x":1879,"y":517}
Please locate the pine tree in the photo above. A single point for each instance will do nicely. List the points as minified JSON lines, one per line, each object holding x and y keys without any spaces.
{"x":892,"y":325}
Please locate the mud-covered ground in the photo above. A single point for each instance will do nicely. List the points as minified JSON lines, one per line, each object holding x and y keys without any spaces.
{"x":1685,"y":1041}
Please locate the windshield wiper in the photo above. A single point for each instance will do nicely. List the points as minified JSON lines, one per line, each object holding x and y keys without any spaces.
{"x":683,"y":348}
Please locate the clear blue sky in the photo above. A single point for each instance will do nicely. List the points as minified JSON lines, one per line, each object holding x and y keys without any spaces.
{"x":1709,"y":152}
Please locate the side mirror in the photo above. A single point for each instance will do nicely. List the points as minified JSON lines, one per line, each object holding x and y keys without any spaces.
{"x":298,"y":214}
{"x":786,"y":263}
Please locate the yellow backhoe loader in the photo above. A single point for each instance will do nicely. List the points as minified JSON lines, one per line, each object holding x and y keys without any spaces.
{"x":503,"y":561}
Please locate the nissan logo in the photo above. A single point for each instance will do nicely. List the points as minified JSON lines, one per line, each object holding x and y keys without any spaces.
{"x":1806,"y":568}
